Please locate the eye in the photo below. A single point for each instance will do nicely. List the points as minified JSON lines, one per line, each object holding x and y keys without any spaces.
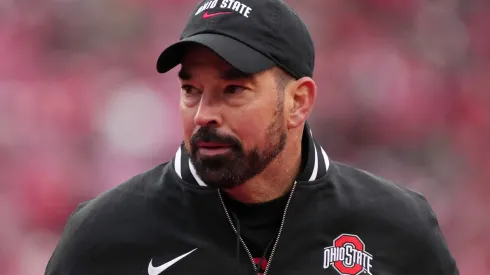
{"x":234,"y":89}
{"x":190,"y":90}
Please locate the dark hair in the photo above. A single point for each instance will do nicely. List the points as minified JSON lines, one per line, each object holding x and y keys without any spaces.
{"x":282,"y":79}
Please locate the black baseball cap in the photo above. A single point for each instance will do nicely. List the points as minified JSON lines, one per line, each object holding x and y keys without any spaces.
{"x":251,"y":35}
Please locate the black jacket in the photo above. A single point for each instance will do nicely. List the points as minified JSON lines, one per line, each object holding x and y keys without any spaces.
{"x":339,"y":220}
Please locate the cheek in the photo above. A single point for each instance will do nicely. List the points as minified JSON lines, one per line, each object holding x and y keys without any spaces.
{"x":187,"y":118}
{"x":251,"y":130}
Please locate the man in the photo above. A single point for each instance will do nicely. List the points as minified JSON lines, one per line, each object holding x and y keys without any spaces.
{"x":250,"y":191}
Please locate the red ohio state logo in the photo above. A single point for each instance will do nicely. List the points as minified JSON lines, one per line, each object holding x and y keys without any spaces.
{"x":348,"y":256}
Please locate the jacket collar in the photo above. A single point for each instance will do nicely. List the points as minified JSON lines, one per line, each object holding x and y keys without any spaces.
{"x":316,"y":161}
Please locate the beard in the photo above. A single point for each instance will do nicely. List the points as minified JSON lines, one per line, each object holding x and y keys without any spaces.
{"x":236,"y":166}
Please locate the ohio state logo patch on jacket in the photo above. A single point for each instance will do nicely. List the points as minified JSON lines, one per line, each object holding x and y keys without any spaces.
{"x":348,"y":256}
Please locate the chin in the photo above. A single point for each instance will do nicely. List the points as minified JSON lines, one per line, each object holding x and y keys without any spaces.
{"x":219,"y":180}
{"x":220,"y":173}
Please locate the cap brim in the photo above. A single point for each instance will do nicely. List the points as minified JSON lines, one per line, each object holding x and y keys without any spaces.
{"x":237,"y":54}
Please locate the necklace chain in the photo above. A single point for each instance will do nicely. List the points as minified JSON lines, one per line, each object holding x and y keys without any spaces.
{"x":274,"y":248}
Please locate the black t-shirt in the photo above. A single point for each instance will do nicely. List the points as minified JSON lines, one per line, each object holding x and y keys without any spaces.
{"x":258,"y":224}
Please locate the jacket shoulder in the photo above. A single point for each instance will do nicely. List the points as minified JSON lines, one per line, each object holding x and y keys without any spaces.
{"x":96,"y":221}
{"x":130,"y":191}
{"x":403,"y":216}
{"x":373,"y":197}
{"x":368,"y":188}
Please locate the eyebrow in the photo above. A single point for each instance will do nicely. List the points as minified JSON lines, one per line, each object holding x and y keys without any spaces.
{"x":231,"y":74}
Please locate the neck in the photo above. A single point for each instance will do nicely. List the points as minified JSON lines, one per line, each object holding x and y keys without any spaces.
{"x":276,"y":180}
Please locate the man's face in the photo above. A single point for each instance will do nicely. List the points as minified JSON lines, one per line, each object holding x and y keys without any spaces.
{"x":234,"y":124}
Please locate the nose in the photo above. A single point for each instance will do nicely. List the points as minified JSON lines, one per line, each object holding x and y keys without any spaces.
{"x":208,"y":113}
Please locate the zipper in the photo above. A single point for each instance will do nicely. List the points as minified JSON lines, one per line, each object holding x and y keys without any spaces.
{"x":278,"y":234}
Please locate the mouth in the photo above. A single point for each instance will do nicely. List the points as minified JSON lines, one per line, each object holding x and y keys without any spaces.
{"x":212,"y":148}
{"x":212,"y":145}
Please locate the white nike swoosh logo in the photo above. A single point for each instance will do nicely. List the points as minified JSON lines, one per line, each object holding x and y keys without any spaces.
{"x":157,"y":270}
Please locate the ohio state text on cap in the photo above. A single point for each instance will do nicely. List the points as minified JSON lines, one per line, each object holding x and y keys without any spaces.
{"x":251,"y":35}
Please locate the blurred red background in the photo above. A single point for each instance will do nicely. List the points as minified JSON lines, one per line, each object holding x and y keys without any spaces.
{"x":403,"y":92}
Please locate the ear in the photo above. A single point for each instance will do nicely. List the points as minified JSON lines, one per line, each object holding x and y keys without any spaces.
{"x":303,"y":95}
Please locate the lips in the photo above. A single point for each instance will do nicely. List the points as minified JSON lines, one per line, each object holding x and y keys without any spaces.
{"x":212,"y":145}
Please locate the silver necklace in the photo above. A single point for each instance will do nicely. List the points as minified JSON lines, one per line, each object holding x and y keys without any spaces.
{"x":278,"y":234}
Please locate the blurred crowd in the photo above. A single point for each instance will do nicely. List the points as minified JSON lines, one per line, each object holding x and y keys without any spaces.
{"x":403,"y":92}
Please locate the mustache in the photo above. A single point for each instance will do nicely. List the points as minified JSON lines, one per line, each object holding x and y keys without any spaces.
{"x":210,"y":134}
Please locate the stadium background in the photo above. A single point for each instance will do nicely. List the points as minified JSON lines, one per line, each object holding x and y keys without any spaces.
{"x":403,"y":92}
